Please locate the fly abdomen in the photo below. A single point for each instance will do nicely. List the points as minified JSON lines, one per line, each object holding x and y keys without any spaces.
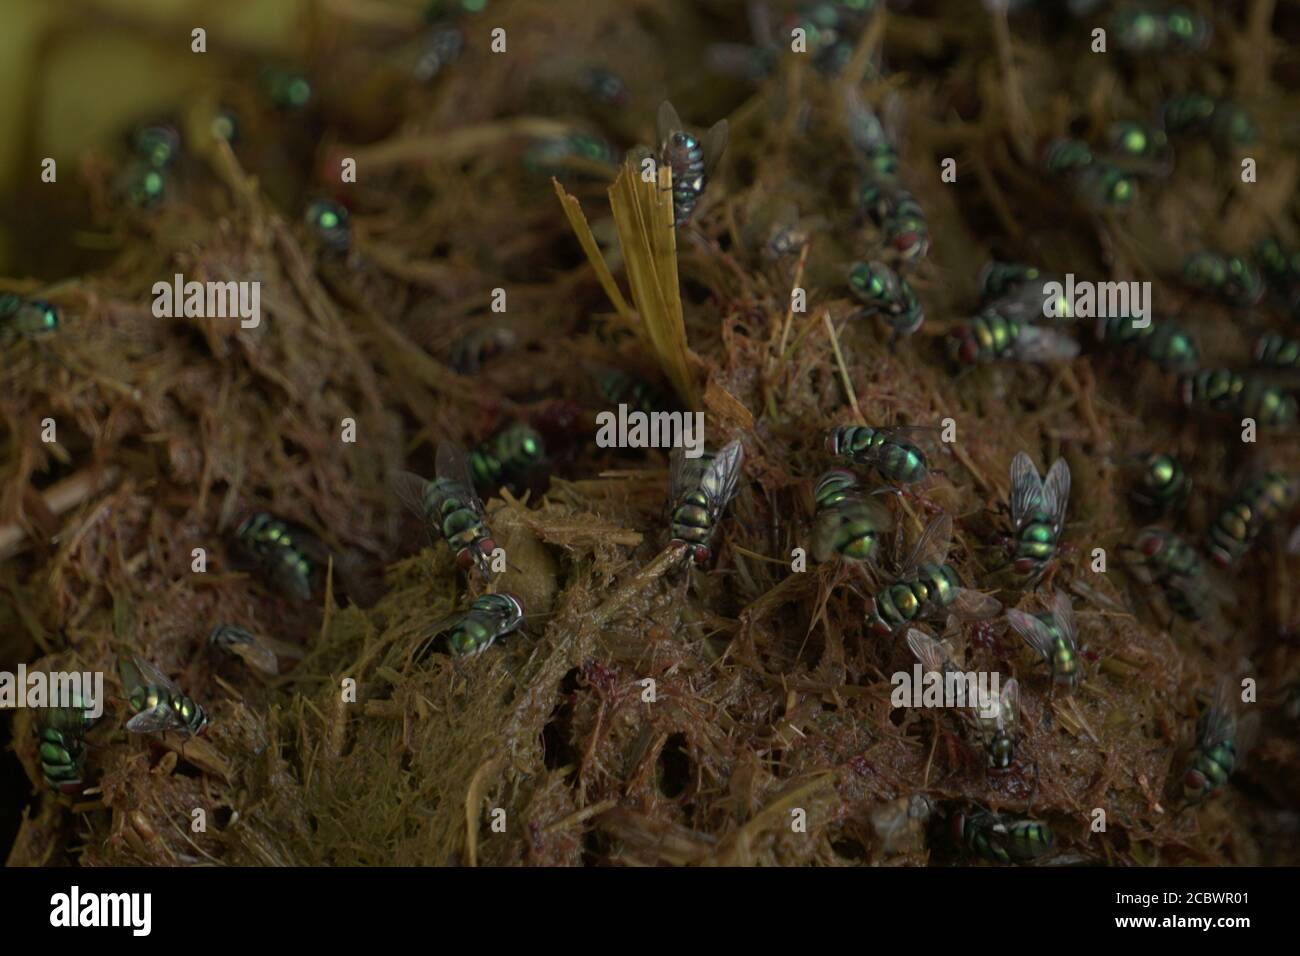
{"x":691,"y":521}
{"x":1277,"y":351}
{"x":464,"y":530}
{"x":1171,"y":348}
{"x":1210,"y":770}
{"x":1122,"y":330}
{"x":62,"y":748}
{"x":490,"y":617}
{"x":895,"y":606}
{"x":1003,"y":839}
{"x":277,"y":548}
{"x":1240,"y":522}
{"x":1035,"y":543}
{"x":1163,"y":484}
{"x":507,"y":457}
{"x":63,"y":758}
{"x":685,"y":155}
{"x":937,"y":584}
{"x":1028,"y":839}
{"x":983,"y":338}
{"x":619,"y":388}
{"x":185,"y":711}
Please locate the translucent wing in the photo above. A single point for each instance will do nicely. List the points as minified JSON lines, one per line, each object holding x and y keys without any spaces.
{"x":1026,"y":488}
{"x":1089,"y":593}
{"x":1293,"y":542}
{"x":137,"y":672}
{"x":409,"y":489}
{"x":722,"y":474}
{"x":866,"y":131}
{"x":1056,"y":492}
{"x":1036,"y":634}
{"x":976,"y":605}
{"x":1219,"y":723}
{"x":997,"y":716}
{"x":158,"y":719}
{"x":257,"y":656}
{"x":912,"y":433}
{"x":1202,"y":603}
{"x":931,"y":547}
{"x":667,"y":121}
{"x":130,"y":674}
{"x":932,"y":654}
{"x":715,"y":144}
{"x":452,"y":464}
{"x":429,"y":635}
{"x":1009,"y":707}
{"x":678,"y":466}
{"x":1038,"y":344}
{"x":1063,"y":612}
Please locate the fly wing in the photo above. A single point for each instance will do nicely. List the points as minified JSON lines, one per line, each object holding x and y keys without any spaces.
{"x":976,"y":605}
{"x":1026,"y":488}
{"x":866,"y":131}
{"x":143,"y":674}
{"x":722,"y":475}
{"x":715,"y":144}
{"x":1063,"y":611}
{"x":130,"y":674}
{"x":452,"y":464}
{"x":677,"y":467}
{"x":430,"y":634}
{"x":1036,"y":634}
{"x":1009,"y":707}
{"x":932,"y":547}
{"x":257,"y":656}
{"x":667,"y":121}
{"x":1056,"y":492}
{"x":1038,"y":344}
{"x":158,"y":719}
{"x":409,"y":489}
{"x":1220,"y":722}
{"x":920,"y":435}
{"x":1089,"y":593}
{"x":932,"y":655}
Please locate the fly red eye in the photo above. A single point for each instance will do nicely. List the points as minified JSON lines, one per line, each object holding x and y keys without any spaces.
{"x":702,"y":555}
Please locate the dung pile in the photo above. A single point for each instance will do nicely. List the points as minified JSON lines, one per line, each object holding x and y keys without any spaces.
{"x":734,"y":713}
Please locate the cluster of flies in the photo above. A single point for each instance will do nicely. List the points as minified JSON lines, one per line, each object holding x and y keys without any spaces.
{"x":849,"y":523}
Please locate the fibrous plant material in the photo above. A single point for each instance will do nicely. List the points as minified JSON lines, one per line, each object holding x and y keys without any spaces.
{"x":216,"y":498}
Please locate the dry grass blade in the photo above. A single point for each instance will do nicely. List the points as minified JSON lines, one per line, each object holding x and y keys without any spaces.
{"x":643,"y":213}
{"x":581,"y":229}
{"x":844,"y":369}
